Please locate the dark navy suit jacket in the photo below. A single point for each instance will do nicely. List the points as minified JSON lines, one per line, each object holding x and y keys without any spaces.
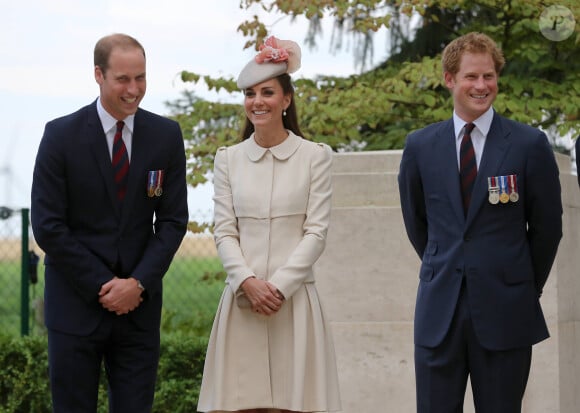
{"x":577,"y":146}
{"x":504,"y":251}
{"x":88,"y":237}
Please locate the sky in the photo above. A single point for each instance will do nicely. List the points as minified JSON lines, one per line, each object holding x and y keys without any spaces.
{"x":46,"y":65}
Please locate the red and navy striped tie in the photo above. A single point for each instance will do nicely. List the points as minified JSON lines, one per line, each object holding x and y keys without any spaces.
{"x":120,"y":161}
{"x":467,"y":166}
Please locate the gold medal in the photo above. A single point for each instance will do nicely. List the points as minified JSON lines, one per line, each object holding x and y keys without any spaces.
{"x":150,"y":192}
{"x":504,"y":198}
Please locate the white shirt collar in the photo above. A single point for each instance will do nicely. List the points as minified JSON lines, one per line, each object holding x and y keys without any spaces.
{"x":483,"y":123}
{"x":110,"y":122}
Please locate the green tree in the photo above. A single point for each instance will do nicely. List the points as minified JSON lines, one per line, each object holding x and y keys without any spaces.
{"x":377,"y":108}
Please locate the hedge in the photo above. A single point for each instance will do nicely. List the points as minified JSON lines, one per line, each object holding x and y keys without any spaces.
{"x":24,"y":384}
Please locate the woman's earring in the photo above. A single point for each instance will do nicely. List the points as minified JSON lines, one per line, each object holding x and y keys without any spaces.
{"x":284,"y":113}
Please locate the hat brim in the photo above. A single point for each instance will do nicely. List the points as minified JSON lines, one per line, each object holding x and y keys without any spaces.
{"x":254,"y":73}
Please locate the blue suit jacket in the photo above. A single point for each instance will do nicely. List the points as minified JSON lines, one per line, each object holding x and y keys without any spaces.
{"x":83,"y":229}
{"x":505,"y":251}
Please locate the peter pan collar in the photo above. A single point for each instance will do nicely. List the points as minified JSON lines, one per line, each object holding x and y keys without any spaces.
{"x":281,"y":152}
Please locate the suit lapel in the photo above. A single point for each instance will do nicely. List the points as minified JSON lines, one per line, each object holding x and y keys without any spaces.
{"x":98,"y":142}
{"x":494,"y":151}
{"x":449,"y":155}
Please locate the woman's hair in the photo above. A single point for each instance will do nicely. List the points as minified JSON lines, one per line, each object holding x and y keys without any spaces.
{"x":290,"y":120}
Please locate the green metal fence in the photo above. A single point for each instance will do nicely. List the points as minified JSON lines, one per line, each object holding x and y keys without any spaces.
{"x":192,"y":285}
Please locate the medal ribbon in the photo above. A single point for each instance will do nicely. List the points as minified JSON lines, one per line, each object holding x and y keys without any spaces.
{"x":513,"y":183}
{"x":159,"y":178}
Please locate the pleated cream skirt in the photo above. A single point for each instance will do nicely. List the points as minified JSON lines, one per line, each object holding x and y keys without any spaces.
{"x":284,"y":361}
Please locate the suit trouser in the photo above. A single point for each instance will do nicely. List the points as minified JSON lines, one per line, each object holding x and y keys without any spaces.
{"x":131,"y":357}
{"x":498,"y":378}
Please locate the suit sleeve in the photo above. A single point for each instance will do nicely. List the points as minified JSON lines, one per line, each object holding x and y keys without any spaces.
{"x":577,"y":147}
{"x":49,"y":210}
{"x":412,"y":197}
{"x":171,"y":216}
{"x":543,"y":208}
{"x":289,"y":277}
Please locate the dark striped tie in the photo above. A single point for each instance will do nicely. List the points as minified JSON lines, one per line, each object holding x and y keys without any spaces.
{"x":120,"y":161}
{"x":467,"y":166}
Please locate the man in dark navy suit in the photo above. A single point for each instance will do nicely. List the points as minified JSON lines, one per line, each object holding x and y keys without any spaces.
{"x":109,"y":236}
{"x":486,"y":253}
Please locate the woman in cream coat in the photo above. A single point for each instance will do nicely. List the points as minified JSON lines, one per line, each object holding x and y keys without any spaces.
{"x":271,"y":348}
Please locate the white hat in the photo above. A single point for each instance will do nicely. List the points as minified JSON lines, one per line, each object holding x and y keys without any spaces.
{"x":276,"y":57}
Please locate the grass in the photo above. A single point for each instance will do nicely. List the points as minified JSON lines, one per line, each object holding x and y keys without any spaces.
{"x":10,"y":296}
{"x":191,"y":291}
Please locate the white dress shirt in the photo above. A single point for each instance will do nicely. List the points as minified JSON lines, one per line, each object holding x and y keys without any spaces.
{"x":110,"y":128}
{"x":478,"y":135}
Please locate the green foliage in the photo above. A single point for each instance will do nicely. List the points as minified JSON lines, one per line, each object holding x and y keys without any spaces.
{"x":206,"y":126}
{"x":192,"y":288}
{"x":24,"y":375}
{"x":24,"y":384}
{"x":374,"y":110}
{"x":180,"y":372}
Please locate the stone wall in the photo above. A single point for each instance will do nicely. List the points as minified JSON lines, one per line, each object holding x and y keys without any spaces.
{"x":368,"y":277}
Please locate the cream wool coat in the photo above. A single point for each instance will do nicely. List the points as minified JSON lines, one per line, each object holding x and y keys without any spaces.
{"x":272,"y":208}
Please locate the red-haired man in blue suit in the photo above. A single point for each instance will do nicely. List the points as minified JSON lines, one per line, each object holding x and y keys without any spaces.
{"x":485,"y":252}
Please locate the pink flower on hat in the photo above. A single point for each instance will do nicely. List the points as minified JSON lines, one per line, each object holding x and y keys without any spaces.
{"x":269,"y":52}
{"x":277,"y":51}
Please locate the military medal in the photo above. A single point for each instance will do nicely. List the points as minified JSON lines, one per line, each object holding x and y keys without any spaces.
{"x":503,"y":196}
{"x":513,"y":180}
{"x":155,"y":183}
{"x":159,"y":182}
{"x":151,"y":180}
{"x":493,"y":190}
